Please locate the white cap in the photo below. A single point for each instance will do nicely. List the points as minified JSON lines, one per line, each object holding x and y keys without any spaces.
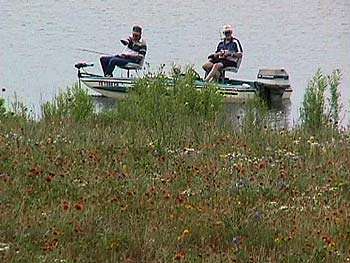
{"x":226,"y":28}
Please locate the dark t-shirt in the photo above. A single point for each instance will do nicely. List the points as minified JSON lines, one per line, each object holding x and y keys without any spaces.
{"x":232,"y":46}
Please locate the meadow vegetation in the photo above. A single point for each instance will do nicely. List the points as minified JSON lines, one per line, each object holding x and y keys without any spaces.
{"x":165,"y":177}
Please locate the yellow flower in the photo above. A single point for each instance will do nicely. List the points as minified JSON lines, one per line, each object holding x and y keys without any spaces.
{"x":184,"y":234}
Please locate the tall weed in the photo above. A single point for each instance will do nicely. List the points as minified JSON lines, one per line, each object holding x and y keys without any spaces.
{"x":2,"y":107}
{"x":334,"y":100}
{"x":314,"y":112}
{"x":170,"y":108}
{"x":74,"y":103}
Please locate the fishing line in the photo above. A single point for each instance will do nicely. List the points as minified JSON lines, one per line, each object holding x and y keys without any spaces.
{"x":92,"y":51}
{"x":99,"y":52}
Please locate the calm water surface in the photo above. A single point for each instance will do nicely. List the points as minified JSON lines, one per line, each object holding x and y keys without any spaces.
{"x":39,"y":39}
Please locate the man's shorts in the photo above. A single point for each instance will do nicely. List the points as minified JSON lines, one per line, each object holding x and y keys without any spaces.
{"x":225,"y":62}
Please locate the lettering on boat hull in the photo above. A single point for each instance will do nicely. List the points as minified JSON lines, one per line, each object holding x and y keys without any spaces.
{"x":108,"y":84}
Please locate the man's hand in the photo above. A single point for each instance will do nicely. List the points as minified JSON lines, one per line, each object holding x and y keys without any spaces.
{"x":238,"y":55}
{"x":220,"y":54}
{"x":212,"y":56}
{"x":124,"y":42}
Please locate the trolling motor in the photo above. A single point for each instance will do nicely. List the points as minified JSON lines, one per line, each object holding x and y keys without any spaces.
{"x":80,"y":66}
{"x":83,"y":65}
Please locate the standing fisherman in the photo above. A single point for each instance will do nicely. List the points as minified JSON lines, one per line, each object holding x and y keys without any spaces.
{"x":135,"y":53}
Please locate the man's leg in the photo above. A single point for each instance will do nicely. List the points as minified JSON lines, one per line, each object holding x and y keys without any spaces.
{"x":116,"y":61}
{"x":104,"y":60}
{"x":215,"y":72}
{"x":207,"y":67}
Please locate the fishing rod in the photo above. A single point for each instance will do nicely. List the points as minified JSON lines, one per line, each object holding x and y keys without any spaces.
{"x":91,"y":51}
{"x":99,"y":52}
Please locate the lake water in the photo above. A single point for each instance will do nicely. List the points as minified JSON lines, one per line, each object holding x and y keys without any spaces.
{"x":39,"y":39}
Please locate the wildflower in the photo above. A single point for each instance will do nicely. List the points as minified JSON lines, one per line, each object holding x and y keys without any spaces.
{"x":314,"y":144}
{"x":328,"y":241}
{"x":180,"y":255}
{"x":79,"y":206}
{"x":181,"y":198}
{"x":114,"y":244}
{"x":185,"y":232}
{"x":262,"y":165}
{"x":5,"y":177}
{"x":189,"y":207}
{"x":49,"y":178}
{"x":236,"y":241}
{"x":242,"y":184}
{"x":219,"y":223}
{"x":184,"y":235}
{"x":51,"y":245}
{"x":188,"y":151}
{"x":278,"y":240}
{"x":65,"y":206}
{"x":167,"y":196}
{"x":283,"y":207}
{"x":4,"y":247}
{"x":258,"y":216}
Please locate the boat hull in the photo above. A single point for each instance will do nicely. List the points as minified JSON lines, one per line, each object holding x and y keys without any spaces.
{"x":117,"y":88}
{"x":232,"y":90}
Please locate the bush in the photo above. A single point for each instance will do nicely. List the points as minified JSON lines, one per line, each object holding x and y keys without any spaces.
{"x":74,"y":103}
{"x":2,"y":107}
{"x":169,"y":108}
{"x":315,"y":112}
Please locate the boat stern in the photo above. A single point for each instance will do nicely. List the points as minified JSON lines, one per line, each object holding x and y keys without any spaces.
{"x":274,"y":84}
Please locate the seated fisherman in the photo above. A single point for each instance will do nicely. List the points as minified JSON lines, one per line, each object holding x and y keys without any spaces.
{"x":227,"y":54}
{"x":135,"y":53}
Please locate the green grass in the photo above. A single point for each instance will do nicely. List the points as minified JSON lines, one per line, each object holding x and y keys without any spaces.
{"x":163,"y":178}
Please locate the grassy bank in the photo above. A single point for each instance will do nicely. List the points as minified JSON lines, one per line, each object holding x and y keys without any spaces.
{"x":165,"y":178}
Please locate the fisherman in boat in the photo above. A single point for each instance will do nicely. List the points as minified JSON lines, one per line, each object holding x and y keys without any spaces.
{"x":228,"y":53}
{"x":135,"y":53}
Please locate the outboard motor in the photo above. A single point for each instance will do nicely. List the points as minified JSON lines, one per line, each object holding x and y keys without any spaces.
{"x":273,"y":83}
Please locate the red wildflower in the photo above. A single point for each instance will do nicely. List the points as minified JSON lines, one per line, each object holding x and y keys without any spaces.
{"x":79,"y":206}
{"x":49,"y":178}
{"x":65,"y":206}
{"x":180,"y":255}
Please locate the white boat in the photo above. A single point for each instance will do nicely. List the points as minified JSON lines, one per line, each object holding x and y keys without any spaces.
{"x":270,"y":84}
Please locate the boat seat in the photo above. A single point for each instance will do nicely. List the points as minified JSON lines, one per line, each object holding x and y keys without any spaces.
{"x":133,"y":66}
{"x":232,"y":69}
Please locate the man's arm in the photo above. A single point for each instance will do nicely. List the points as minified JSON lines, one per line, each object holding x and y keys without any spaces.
{"x":217,"y":53}
{"x":141,"y":52}
{"x":233,"y":51}
{"x":126,"y":42}
{"x":233,"y":54}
